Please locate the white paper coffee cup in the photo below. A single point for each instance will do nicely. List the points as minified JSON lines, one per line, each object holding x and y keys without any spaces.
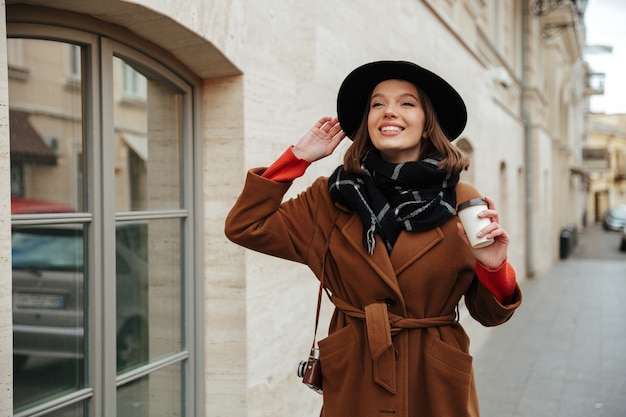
{"x":468,"y":214}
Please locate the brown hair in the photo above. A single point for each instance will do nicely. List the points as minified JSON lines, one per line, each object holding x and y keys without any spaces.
{"x":434,"y":141}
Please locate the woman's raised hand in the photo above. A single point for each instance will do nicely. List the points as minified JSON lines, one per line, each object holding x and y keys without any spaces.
{"x":320,"y":141}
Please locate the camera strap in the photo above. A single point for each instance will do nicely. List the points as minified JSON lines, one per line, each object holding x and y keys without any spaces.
{"x":319,"y":293}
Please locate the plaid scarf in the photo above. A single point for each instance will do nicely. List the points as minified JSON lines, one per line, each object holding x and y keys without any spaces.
{"x":390,"y":197}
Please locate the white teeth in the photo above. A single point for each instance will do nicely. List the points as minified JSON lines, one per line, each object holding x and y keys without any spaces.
{"x":391,"y":129}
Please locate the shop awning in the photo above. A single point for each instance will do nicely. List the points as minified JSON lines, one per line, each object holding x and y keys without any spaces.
{"x":26,"y":144}
{"x":138,"y":143}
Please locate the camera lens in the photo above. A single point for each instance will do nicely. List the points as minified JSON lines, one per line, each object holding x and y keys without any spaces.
{"x":301,"y":368}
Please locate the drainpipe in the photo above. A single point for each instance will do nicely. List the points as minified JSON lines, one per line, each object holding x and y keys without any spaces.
{"x":528,"y":149}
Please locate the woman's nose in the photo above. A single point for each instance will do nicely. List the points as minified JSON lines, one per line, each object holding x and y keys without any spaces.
{"x":390,"y":111}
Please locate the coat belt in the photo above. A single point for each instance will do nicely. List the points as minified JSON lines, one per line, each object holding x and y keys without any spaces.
{"x":380,"y":326}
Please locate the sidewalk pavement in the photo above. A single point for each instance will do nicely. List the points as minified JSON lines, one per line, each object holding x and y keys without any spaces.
{"x":563,"y":353}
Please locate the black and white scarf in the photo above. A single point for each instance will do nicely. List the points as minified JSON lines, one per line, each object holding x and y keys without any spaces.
{"x":390,"y":197}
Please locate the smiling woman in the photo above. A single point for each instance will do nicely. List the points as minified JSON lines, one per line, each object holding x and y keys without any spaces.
{"x":381,"y":233}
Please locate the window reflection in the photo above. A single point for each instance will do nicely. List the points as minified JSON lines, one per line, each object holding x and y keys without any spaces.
{"x":158,"y":394}
{"x":149,"y":276}
{"x":148,"y":132}
{"x":48,"y":311}
{"x":46,"y":130}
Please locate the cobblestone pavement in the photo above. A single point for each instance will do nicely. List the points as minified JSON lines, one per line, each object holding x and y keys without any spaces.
{"x":563,"y":354}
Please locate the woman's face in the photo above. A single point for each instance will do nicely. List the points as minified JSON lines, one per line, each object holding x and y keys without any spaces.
{"x":396,"y":120}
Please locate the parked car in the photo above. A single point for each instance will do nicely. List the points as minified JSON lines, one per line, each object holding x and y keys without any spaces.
{"x":622,"y":245}
{"x":615,"y":219}
{"x":49,"y":293}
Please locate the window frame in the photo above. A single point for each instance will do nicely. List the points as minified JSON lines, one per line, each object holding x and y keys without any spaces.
{"x":101,"y":42}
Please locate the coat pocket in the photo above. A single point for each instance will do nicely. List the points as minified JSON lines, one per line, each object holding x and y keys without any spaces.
{"x":451,"y":357}
{"x":449,"y":374}
{"x":333,"y":344}
{"x":341,"y":356}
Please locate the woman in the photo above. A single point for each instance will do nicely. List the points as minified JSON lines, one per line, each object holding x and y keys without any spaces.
{"x":384,"y":232}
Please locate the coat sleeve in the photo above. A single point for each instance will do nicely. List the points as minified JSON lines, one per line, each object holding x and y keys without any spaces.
{"x":260,"y":221}
{"x":484,"y":307}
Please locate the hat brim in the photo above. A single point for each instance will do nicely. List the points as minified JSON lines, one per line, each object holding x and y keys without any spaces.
{"x":356,"y":88}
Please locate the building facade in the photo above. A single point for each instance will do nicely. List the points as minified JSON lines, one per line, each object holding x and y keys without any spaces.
{"x":127,"y":129}
{"x":604,"y":157}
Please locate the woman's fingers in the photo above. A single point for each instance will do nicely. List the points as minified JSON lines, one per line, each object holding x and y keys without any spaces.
{"x":320,"y":141}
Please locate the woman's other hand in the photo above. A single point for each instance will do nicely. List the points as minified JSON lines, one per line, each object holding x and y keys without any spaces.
{"x":320,"y":141}
{"x":494,"y":255}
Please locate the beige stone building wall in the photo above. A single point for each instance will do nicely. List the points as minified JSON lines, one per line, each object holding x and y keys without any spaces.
{"x":270,"y":69}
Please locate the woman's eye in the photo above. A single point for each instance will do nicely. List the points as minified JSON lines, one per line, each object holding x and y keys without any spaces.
{"x":409,"y":104}
{"x":376,"y":104}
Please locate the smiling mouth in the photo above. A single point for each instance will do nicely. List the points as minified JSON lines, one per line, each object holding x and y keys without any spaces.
{"x":391,"y":129}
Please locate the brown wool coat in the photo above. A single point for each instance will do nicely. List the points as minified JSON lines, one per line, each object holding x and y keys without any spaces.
{"x":394,"y":347}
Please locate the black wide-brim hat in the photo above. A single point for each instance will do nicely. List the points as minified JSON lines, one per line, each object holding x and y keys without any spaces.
{"x":358,"y":85}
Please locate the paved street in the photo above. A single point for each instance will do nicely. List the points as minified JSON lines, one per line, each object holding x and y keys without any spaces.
{"x":563,"y":354}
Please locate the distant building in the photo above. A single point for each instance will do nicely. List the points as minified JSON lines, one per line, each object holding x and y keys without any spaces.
{"x":604,"y":157}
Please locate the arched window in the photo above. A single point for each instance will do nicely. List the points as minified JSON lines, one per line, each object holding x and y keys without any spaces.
{"x":104,"y":184}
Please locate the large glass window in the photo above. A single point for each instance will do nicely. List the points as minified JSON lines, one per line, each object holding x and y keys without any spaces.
{"x":101,"y":196}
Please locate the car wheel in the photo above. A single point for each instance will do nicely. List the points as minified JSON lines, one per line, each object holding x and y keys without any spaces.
{"x":132,"y":344}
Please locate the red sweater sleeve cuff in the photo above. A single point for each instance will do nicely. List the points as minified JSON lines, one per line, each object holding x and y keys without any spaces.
{"x":501,"y":282}
{"x":286,"y":168}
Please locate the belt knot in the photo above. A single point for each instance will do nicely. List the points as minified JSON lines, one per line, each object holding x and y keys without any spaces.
{"x":380,"y":326}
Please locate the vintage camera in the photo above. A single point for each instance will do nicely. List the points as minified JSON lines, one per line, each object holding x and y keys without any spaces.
{"x":311,"y":371}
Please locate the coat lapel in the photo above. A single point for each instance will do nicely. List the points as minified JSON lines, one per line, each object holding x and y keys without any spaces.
{"x":410,"y":246}
{"x":379,"y":261}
